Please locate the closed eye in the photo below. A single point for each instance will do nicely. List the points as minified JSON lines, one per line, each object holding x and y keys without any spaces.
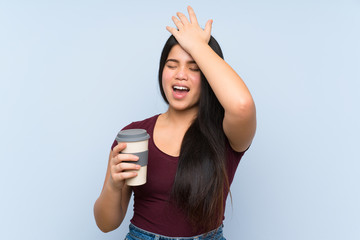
{"x":193,"y":67}
{"x":171,"y":67}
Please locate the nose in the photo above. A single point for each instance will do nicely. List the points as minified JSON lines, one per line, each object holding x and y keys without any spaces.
{"x":181,"y":74}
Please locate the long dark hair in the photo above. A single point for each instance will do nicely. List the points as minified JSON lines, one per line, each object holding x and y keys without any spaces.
{"x":201,"y":182}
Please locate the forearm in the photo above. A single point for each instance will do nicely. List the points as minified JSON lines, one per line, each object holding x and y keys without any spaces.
{"x":239,"y":122}
{"x":109,"y":211}
{"x":227,"y":85}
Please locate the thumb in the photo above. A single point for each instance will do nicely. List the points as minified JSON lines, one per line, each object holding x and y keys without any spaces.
{"x":208,"y":27}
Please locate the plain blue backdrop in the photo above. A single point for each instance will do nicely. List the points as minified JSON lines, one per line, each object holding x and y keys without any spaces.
{"x":73,"y":73}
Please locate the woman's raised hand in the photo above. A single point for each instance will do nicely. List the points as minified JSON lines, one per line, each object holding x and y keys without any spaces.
{"x":189,"y":34}
{"x":120,"y":170}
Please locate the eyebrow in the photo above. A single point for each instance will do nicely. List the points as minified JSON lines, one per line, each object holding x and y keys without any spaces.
{"x":177,"y":61}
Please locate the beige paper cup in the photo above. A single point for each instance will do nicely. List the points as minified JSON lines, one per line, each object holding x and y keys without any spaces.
{"x":136,"y":143}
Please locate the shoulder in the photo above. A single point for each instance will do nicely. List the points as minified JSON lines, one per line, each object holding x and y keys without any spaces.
{"x":232,"y":160}
{"x":233,"y":155}
{"x":147,"y":123}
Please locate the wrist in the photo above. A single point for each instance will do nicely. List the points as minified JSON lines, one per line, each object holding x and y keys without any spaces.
{"x":198,"y":48}
{"x":112,"y":187}
{"x":201,"y":54}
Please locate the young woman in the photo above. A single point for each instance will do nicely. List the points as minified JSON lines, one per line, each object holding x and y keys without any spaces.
{"x":194,"y":147}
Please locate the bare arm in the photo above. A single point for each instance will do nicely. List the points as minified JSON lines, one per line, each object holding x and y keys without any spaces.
{"x":111,"y":206}
{"x":239,"y":123}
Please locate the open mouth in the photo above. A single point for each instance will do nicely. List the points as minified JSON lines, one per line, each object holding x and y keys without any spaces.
{"x":181,"y":89}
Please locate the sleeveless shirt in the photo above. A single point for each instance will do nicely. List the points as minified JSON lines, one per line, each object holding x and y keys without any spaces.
{"x":153,"y":211}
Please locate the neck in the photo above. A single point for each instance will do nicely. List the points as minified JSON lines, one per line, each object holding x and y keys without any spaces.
{"x":181,"y":118}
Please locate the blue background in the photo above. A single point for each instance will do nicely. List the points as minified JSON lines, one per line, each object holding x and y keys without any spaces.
{"x":75,"y":72}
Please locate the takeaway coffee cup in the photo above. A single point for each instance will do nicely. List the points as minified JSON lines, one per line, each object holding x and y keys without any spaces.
{"x":136,"y":143}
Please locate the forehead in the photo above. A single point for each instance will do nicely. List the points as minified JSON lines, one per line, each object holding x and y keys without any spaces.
{"x":178,"y":53}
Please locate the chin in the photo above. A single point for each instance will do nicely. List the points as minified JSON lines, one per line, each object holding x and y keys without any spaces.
{"x":183,"y":108}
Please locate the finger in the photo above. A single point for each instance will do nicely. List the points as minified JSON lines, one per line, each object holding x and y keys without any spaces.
{"x":208,"y":27}
{"x":172,"y":30}
{"x":177,"y":22}
{"x":124,"y":157}
{"x":124,"y":175}
{"x":183,"y":18}
{"x":192,"y":15}
{"x":118,"y":148}
{"x":125,"y":167}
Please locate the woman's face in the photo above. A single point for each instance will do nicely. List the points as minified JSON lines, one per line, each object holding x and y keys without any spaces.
{"x":181,"y":80}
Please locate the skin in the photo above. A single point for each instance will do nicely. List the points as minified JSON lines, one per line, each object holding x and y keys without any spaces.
{"x":239,"y":122}
{"x":181,"y":70}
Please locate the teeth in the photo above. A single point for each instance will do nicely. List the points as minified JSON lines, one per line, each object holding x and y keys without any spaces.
{"x":180,"y":88}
